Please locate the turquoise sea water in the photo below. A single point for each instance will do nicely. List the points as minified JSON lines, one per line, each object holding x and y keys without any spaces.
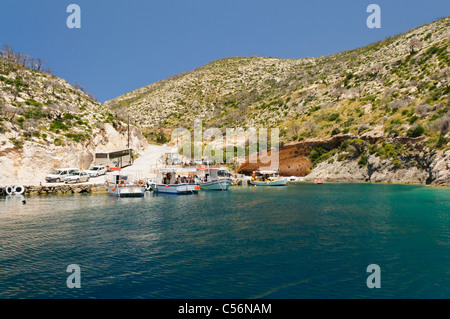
{"x":299,"y":241}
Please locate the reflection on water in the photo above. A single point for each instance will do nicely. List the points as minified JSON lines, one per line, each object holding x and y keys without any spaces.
{"x":300,"y":241}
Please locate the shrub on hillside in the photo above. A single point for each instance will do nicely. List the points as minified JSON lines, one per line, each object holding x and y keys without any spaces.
{"x":415,"y":131}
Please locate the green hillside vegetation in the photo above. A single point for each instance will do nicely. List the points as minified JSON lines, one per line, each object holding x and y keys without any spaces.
{"x":39,"y":107}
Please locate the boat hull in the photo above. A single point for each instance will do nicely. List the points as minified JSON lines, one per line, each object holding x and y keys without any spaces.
{"x":281,"y":182}
{"x":128,"y":191}
{"x":219,"y":185}
{"x":176,"y":189}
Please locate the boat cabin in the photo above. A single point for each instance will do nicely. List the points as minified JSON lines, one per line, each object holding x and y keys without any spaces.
{"x":171,"y":176}
{"x":118,"y":177}
{"x":212,"y":174}
{"x":264,"y":175}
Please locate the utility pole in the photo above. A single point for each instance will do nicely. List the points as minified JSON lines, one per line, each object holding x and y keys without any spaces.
{"x":128,"y":130}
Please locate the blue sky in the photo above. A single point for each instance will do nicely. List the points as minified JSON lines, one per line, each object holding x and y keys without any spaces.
{"x":124,"y":45}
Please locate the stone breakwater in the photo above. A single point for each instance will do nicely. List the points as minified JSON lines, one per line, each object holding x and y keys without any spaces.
{"x":66,"y":189}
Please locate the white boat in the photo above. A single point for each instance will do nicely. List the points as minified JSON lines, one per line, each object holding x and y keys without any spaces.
{"x":281,"y":182}
{"x":175,"y":181}
{"x":267,"y":178}
{"x":121,"y":185}
{"x":177,"y":189}
{"x":218,"y":185}
{"x":218,"y":179}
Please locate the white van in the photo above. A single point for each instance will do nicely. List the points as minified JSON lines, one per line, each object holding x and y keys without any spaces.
{"x":59,"y":174}
{"x":97,"y":171}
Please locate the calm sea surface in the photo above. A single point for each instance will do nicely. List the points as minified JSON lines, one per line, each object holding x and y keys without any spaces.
{"x":299,"y":241}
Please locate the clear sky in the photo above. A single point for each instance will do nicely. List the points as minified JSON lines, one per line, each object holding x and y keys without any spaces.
{"x":124,"y":45}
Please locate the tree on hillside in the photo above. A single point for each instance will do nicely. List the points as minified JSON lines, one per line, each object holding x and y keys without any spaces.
{"x":414,"y":43}
{"x":337,"y":91}
{"x":39,"y":64}
{"x":294,"y":130}
{"x":36,"y":64}
{"x":422,"y":110}
{"x":9,"y":112}
{"x":443,"y":124}
{"x":359,"y":91}
{"x":54,"y":84}
{"x":375,"y":70}
{"x":310,"y":126}
{"x":22,"y":59}
{"x":445,"y":75}
{"x":8,"y":53}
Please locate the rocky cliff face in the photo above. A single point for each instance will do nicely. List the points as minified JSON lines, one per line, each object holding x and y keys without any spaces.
{"x":436,"y":171}
{"x":31,"y":163}
{"x":292,"y":162}
{"x":397,"y":160}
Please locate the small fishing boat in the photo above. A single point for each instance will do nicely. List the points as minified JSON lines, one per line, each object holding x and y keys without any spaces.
{"x":318,"y":181}
{"x":267,"y":178}
{"x":174,"y":181}
{"x":124,"y":185}
{"x":177,"y":189}
{"x":217,"y":179}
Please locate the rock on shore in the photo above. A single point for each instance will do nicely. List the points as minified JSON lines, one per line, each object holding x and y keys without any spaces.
{"x":435,"y":171}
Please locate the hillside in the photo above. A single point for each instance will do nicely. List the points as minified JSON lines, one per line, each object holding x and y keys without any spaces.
{"x":388,"y":100}
{"x":387,"y":87}
{"x":45,"y":122}
{"x":377,"y":113}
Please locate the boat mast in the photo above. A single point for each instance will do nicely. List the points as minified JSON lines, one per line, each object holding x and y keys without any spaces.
{"x":209,"y":173}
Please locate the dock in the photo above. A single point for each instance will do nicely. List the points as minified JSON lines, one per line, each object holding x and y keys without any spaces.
{"x":85,"y":188}
{"x":64,"y":189}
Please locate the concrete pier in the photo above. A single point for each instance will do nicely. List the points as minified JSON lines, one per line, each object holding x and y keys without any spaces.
{"x":66,"y":189}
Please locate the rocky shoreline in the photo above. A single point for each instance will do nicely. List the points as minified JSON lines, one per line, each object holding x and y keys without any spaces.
{"x":347,"y":158}
{"x":434,"y":170}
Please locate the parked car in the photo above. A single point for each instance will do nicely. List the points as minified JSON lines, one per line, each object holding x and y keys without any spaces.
{"x":60,"y":174}
{"x":198,"y":162}
{"x":97,"y":171}
{"x":77,"y":177}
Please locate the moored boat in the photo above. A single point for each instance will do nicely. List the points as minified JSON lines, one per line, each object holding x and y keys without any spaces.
{"x":175,"y":181}
{"x":218,"y":185}
{"x":122,"y":185}
{"x":267,"y":178}
{"x":177,"y":189}
{"x":218,"y":179}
